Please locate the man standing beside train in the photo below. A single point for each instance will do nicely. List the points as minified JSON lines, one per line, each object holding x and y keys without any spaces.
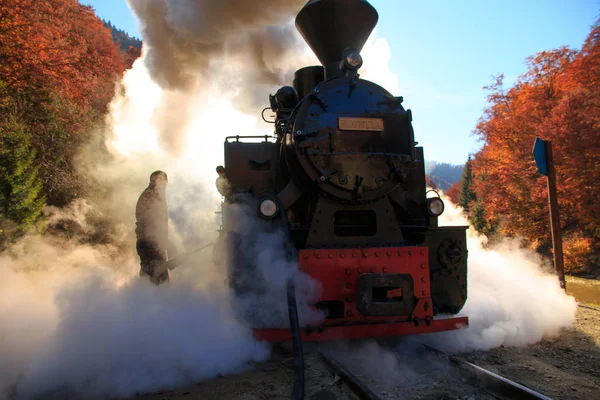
{"x":152,"y":229}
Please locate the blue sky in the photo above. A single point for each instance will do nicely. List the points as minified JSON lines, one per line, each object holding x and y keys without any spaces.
{"x":444,"y":52}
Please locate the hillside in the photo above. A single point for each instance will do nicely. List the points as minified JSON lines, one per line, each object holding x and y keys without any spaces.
{"x":122,"y":38}
{"x":444,"y":175}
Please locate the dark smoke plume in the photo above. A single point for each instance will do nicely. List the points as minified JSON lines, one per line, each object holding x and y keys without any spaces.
{"x":244,"y":48}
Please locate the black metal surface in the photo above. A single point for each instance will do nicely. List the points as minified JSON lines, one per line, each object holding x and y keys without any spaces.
{"x":448,"y":268}
{"x":305,"y":79}
{"x":495,"y":384}
{"x":298,"y":393}
{"x":331,"y":26}
{"x":323,"y":232}
{"x":251,"y":166}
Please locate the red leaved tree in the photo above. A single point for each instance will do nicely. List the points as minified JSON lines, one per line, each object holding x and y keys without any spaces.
{"x":557,"y":99}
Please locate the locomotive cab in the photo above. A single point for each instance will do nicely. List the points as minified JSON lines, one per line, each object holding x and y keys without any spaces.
{"x":345,"y":177}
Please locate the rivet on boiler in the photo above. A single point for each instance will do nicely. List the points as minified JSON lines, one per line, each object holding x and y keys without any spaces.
{"x":376,"y":254}
{"x":388,"y":254}
{"x":305,"y":256}
{"x":423,"y":279}
{"x":348,"y":271}
{"x":330,"y":255}
{"x":385,"y":270}
{"x":422,"y":266}
{"x":422,"y":252}
{"x":423,"y":293}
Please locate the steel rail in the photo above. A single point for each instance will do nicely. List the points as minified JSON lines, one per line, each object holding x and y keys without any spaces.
{"x":588,"y":307}
{"x":362,"y":390}
{"x":495,"y":384}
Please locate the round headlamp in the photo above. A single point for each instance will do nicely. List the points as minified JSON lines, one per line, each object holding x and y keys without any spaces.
{"x":268,"y":208}
{"x":435,"y":206}
{"x":354,"y":59}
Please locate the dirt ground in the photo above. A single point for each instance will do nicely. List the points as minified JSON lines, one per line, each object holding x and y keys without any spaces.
{"x":584,"y":290}
{"x":271,"y":380}
{"x":565,"y":367}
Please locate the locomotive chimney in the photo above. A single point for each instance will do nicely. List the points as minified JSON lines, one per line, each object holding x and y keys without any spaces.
{"x":332,"y":26}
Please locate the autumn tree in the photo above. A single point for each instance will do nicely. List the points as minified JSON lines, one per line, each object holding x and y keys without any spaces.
{"x":58,"y":71}
{"x":131,"y":56}
{"x":59,"y":45}
{"x":58,"y":68}
{"x":430,"y":183}
{"x":557,"y":99}
{"x":454,"y":192}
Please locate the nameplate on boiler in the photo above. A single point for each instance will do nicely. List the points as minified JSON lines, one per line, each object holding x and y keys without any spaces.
{"x":360,"y":124}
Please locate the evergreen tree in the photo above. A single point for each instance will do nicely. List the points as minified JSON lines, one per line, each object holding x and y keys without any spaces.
{"x":478,"y":218}
{"x":467,"y":195}
{"x":20,"y":186}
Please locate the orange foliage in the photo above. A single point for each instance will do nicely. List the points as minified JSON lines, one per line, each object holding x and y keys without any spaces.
{"x":578,"y":252}
{"x":58,"y":70}
{"x":57,"y":45}
{"x":557,"y":99}
{"x":131,"y":55}
{"x":430,"y":183}
{"x":454,"y":192}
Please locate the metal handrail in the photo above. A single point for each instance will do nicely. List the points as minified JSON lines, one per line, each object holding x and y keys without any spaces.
{"x":238,"y":137}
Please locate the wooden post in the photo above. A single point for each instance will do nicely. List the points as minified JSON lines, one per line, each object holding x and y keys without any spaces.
{"x":555,"y":217}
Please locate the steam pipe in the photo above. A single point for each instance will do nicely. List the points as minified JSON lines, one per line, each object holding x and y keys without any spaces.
{"x":298,"y":391}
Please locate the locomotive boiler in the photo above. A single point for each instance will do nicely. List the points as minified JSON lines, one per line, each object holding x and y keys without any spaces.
{"x":346,"y":178}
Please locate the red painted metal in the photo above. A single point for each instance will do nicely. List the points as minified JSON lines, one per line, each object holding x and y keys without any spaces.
{"x":363,"y":331}
{"x":394,"y":293}
{"x":338,"y":269}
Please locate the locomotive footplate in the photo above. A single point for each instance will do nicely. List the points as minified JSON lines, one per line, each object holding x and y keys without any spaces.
{"x":369,"y":292}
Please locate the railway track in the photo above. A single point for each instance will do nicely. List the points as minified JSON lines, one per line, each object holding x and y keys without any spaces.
{"x":589,"y":307}
{"x":468,"y":381}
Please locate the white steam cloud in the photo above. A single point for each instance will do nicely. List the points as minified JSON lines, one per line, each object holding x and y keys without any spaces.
{"x":81,"y":326}
{"x":512,"y":298}
{"x":217,"y":47}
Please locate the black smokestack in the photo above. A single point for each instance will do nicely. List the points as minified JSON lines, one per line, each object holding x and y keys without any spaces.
{"x":332,"y":26}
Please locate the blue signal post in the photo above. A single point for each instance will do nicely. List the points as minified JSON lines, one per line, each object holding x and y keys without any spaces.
{"x":542,"y":153}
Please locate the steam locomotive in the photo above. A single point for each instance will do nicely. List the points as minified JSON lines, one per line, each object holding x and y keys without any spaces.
{"x":345,"y":176}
